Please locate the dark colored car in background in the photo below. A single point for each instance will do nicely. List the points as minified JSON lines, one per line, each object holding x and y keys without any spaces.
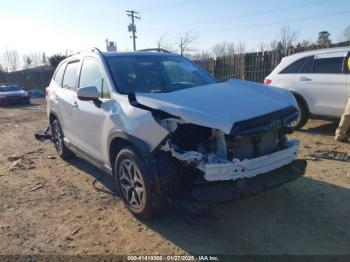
{"x":36,"y":93}
{"x":13,"y":94}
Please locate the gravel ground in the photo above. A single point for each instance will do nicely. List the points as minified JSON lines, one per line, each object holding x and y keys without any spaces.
{"x":48,"y":206}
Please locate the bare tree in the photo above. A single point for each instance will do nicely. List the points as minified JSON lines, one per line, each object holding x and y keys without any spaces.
{"x":201,"y":56}
{"x":262,"y":47}
{"x":36,"y":59}
{"x":240,"y":48}
{"x":12,"y":60}
{"x":27,"y":61}
{"x":44,"y":60}
{"x":346,"y":33}
{"x":288,"y":36}
{"x":185,"y":42}
{"x":164,"y":43}
{"x":224,"y":49}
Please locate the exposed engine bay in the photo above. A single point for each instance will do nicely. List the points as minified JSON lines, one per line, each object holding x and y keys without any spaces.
{"x":223,"y":157}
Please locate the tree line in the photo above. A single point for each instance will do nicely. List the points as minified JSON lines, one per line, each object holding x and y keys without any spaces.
{"x":185,"y":44}
{"x":288,"y":38}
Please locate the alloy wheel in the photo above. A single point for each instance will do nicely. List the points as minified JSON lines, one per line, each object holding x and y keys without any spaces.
{"x":131,"y":183}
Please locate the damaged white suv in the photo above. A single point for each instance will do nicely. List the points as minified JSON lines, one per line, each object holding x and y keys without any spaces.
{"x":162,"y":126}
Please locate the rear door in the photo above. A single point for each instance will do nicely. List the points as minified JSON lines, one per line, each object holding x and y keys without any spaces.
{"x":326,"y":87}
{"x":89,"y":118}
{"x":65,"y":98}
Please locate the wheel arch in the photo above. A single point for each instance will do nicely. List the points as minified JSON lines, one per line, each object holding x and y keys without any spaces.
{"x":118,"y":140}
{"x":299,"y":97}
{"x":52,"y":116}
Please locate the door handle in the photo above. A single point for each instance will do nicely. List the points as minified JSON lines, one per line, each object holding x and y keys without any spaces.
{"x":304,"y":78}
{"x":57,"y":98}
{"x":75,"y":105}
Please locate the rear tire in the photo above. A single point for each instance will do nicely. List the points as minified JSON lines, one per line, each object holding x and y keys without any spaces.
{"x":58,"y":139}
{"x":137,"y":183}
{"x":303,"y":114}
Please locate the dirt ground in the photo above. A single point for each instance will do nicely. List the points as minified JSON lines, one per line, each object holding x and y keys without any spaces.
{"x":49,"y":206}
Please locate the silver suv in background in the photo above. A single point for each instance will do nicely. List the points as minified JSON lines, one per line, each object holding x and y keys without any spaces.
{"x":319,"y":80}
{"x":163,"y":126}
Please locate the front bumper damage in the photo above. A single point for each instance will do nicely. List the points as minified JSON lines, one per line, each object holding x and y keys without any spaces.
{"x":245,"y":187}
{"x":250,"y":167}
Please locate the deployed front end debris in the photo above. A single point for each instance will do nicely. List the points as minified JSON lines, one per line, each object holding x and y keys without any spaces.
{"x":44,"y":133}
{"x":253,"y":147}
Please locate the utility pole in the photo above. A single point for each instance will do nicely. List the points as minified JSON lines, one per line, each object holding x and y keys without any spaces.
{"x":132,"y":26}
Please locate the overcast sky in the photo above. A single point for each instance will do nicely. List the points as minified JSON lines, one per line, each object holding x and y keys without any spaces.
{"x":55,"y":26}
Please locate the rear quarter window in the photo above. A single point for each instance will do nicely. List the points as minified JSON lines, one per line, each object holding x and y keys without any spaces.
{"x":70,"y":76}
{"x":332,"y":65}
{"x":59,"y":74}
{"x":295,"y":67}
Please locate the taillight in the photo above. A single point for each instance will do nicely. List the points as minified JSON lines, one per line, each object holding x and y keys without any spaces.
{"x":46,"y":91}
{"x":267,"y":81}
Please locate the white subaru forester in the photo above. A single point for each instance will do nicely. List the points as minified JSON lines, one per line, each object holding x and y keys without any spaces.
{"x":319,"y":80}
{"x":162,"y":126}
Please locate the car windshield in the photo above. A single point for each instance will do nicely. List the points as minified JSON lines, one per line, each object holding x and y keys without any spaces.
{"x":155,"y":74}
{"x":9,"y":88}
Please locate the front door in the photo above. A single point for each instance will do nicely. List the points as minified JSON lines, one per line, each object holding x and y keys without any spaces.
{"x":90,"y":119}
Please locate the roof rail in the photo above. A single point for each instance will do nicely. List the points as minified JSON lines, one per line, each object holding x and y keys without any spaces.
{"x":95,"y":49}
{"x":160,"y":50}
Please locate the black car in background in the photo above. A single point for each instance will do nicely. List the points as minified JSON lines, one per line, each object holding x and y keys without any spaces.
{"x":13,"y":94}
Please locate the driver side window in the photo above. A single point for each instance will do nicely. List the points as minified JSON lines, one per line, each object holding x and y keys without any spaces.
{"x":91,"y":75}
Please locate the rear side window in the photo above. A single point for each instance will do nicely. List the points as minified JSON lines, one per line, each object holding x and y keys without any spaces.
{"x":307,"y":67}
{"x":294,"y":67}
{"x":59,"y":74}
{"x":91,"y":76}
{"x":70,"y":76}
{"x":347,"y":65}
{"x":332,"y":65}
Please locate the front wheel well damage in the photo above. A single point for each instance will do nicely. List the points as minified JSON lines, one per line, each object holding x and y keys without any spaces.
{"x":115,"y":146}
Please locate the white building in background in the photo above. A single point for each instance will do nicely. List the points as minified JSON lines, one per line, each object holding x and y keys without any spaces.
{"x":111,"y":46}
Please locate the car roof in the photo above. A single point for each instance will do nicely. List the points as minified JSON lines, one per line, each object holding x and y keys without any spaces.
{"x":116,"y":54}
{"x":320,"y":51}
{"x":138,"y":53}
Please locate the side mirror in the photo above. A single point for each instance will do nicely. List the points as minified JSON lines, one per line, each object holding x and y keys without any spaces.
{"x":88,"y":93}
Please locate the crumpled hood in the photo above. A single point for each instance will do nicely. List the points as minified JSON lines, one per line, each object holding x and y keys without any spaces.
{"x":219,"y":105}
{"x":14,"y":93}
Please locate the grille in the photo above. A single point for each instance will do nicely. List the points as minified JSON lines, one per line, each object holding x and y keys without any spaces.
{"x":259,"y":136}
{"x":251,"y":147}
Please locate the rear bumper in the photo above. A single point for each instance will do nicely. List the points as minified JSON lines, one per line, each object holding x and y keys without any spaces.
{"x":14,"y":100}
{"x":250,"y":167}
{"x":245,"y":187}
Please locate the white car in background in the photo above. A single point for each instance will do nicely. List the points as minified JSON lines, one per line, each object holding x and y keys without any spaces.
{"x":319,"y":80}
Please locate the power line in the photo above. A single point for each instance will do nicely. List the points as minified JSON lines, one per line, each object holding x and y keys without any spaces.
{"x":277,"y":23}
{"x":186,"y":2}
{"x":244,"y":16}
{"x":268,"y":24}
{"x":132,"y":26}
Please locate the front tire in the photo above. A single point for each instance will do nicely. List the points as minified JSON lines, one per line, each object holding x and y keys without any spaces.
{"x":136,"y":181}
